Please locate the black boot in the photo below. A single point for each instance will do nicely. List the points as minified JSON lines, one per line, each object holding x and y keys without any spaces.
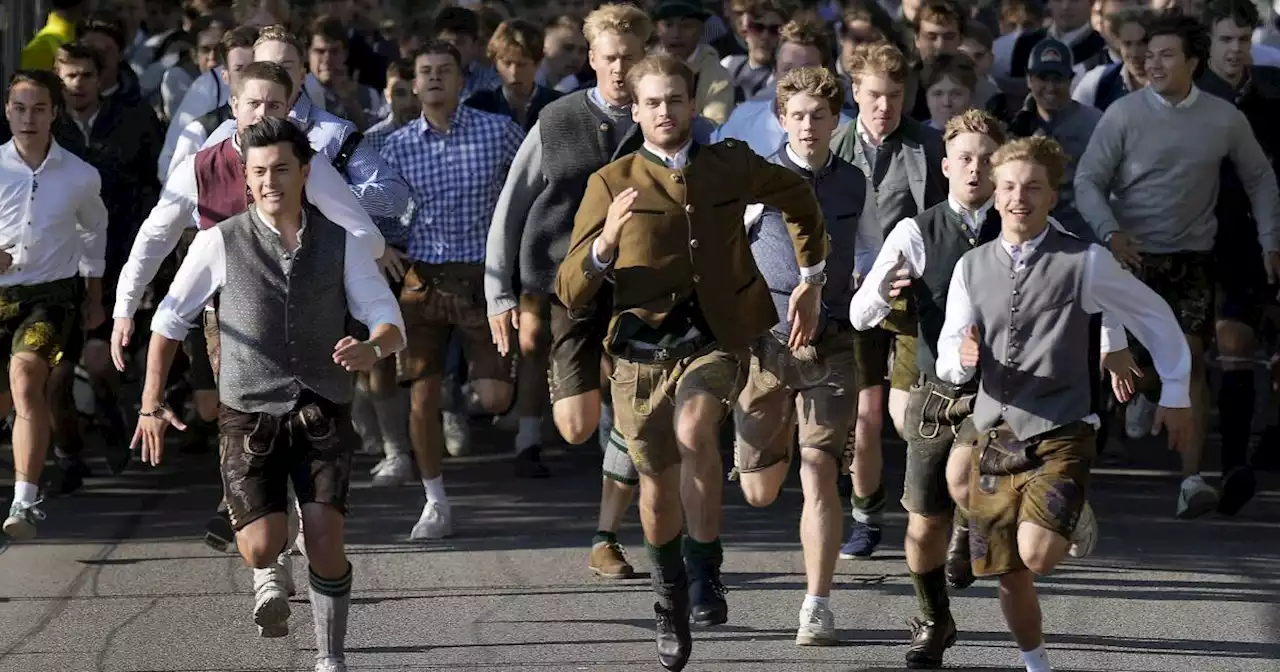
{"x":675,"y":642}
{"x":959,"y":569}
{"x":707,"y":592}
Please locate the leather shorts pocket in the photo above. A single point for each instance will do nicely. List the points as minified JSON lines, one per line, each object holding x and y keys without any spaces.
{"x":321,"y":430}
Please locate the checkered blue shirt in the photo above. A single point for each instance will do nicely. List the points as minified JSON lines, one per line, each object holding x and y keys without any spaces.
{"x":479,"y":78}
{"x":454,"y":181}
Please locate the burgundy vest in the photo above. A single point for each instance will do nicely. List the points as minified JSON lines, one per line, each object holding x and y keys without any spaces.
{"x":220,"y":187}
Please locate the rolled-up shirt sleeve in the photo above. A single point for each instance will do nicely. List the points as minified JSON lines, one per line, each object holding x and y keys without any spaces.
{"x":330,"y":194}
{"x":91,"y":219}
{"x":202,"y":273}
{"x":377,"y":186}
{"x":369,"y":297}
{"x":870,"y":305}
{"x":1110,"y":289}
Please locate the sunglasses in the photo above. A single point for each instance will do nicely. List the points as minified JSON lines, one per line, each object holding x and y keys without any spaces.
{"x":761,"y":28}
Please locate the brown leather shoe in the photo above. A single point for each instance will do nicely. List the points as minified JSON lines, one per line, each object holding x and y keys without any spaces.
{"x":609,"y":561}
{"x":929,"y":640}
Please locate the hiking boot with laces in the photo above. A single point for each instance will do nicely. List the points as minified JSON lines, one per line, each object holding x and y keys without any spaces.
{"x":609,"y":561}
{"x":706,"y":592}
{"x":21,"y":523}
{"x":929,"y":640}
{"x":675,"y":642}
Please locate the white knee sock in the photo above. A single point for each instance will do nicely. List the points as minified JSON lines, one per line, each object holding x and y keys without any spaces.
{"x":435,"y":491}
{"x":24,"y":492}
{"x":1037,"y":660}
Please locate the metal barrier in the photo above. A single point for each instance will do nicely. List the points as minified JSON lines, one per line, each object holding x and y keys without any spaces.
{"x":19,"y":21}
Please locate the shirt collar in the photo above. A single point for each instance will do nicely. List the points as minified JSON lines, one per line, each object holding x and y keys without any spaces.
{"x":1184,"y":103}
{"x":302,"y":109}
{"x":302,"y":226}
{"x":973,"y":218}
{"x":801,"y":163}
{"x":9,"y":151}
{"x":598,"y":98}
{"x":1025,"y":249}
{"x":866,"y":137}
{"x":1071,"y":37}
{"x":675,"y":161}
{"x":457,"y":120}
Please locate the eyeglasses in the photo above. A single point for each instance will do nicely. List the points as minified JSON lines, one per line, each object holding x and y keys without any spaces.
{"x":761,"y":28}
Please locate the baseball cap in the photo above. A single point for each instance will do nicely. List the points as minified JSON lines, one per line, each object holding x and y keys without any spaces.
{"x":1051,"y":57}
{"x":679,"y":9}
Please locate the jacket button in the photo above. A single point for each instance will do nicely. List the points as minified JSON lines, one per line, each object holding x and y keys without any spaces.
{"x":677,"y":178}
{"x":604,"y":127}
{"x":972,"y":241}
{"x":586,"y":274}
{"x":1014,"y":309}
{"x":693,"y":243}
{"x":697,"y":278}
{"x":689,"y":208}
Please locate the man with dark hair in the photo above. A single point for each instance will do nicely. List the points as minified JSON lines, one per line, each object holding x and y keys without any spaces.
{"x":460,"y":27}
{"x":939,"y":28}
{"x":48,"y":240}
{"x":1050,"y":111}
{"x":1162,"y":222}
{"x":122,"y":140}
{"x":286,"y":371}
{"x":1069,"y":24}
{"x":445,"y":251}
{"x":1241,"y":295}
{"x":104,"y":31}
{"x":751,"y":69}
{"x":680,"y":25}
{"x":1107,"y":83}
{"x":327,"y":51}
{"x":684,"y":309}
{"x":60,"y":29}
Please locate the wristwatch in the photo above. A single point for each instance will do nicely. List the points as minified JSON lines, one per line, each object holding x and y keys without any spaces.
{"x":377,"y":349}
{"x":815,"y":279}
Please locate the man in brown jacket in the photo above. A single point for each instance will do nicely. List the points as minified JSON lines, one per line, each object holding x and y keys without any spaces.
{"x":687,"y":301}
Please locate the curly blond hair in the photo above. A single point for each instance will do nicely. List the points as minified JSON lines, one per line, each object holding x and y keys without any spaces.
{"x":1043,"y":151}
{"x":981,"y":122}
{"x":817,"y":82}
{"x":279,"y":33}
{"x":622,"y":19}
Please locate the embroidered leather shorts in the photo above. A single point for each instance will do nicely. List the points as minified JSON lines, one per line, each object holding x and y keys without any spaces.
{"x":1043,"y":480}
{"x":261,"y":454}
{"x":781,"y":392}
{"x":38,"y":319}
{"x":934,"y":412}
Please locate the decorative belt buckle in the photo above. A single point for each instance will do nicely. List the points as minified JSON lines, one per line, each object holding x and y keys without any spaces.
{"x":661,"y":355}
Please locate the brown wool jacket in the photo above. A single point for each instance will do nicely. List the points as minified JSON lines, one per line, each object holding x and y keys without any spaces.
{"x":686,"y":237}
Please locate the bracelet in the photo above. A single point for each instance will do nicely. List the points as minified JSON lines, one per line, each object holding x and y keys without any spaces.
{"x":160,"y":408}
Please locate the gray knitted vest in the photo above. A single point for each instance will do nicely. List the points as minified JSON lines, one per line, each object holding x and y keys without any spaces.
{"x":1039,"y":352}
{"x":280,"y":314}
{"x":577,"y":140}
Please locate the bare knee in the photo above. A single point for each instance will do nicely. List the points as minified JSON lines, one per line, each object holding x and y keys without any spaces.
{"x":958,"y":466}
{"x":757,"y":489}
{"x":695,"y":432}
{"x":207,"y":404}
{"x":261,"y":542}
{"x":1235,"y":339}
{"x":494,"y":395}
{"x":577,"y":417}
{"x":531,"y":333}
{"x":28,"y":374}
{"x":1039,"y":561}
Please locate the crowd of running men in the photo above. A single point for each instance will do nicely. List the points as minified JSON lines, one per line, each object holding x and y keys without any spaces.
{"x":678,"y":228}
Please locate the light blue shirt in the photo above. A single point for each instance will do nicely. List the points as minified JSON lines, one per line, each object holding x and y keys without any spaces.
{"x":755,"y":123}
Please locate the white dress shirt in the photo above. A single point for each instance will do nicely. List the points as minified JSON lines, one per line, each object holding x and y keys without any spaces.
{"x":1105,"y":286}
{"x":188,"y":143}
{"x":206,"y":94}
{"x":204,"y":272}
{"x":177,"y":210}
{"x":53,"y":233}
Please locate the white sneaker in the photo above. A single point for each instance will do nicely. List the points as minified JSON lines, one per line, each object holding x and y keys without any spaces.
{"x":271,"y":601}
{"x":436,"y":522}
{"x":382,"y":464}
{"x":1196,"y":498}
{"x":1085,"y":536}
{"x":817,"y":627}
{"x":1139,"y":416}
{"x":21,"y":523}
{"x":330,"y":665}
{"x":457,"y":433}
{"x":397,"y":470}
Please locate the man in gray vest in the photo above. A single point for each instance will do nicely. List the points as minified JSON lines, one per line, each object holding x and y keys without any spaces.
{"x":1020,"y":463}
{"x":290,"y":277}
{"x":921,"y":252}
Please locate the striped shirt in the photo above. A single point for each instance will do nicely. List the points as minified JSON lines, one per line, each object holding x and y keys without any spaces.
{"x":454,"y":179}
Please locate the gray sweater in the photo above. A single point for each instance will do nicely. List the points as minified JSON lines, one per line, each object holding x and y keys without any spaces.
{"x":1151,"y":170}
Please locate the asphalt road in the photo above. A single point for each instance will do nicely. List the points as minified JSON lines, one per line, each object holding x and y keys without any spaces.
{"x":118,"y":581}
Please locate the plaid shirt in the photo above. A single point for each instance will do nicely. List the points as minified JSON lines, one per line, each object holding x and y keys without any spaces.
{"x":454,"y":180}
{"x":479,"y":78}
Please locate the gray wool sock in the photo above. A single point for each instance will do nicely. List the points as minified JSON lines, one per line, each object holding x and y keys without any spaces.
{"x":330,"y":603}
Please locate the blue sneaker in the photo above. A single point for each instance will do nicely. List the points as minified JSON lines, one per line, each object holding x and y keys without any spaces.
{"x":863,"y":539}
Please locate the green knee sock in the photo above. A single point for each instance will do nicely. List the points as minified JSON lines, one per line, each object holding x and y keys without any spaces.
{"x":697,"y":552}
{"x":869,"y":510}
{"x":931,"y":594}
{"x":668,"y":564}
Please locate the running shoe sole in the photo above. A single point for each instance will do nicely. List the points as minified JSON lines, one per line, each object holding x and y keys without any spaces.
{"x":18,"y":529}
{"x":810,"y":639}
{"x":272,"y":616}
